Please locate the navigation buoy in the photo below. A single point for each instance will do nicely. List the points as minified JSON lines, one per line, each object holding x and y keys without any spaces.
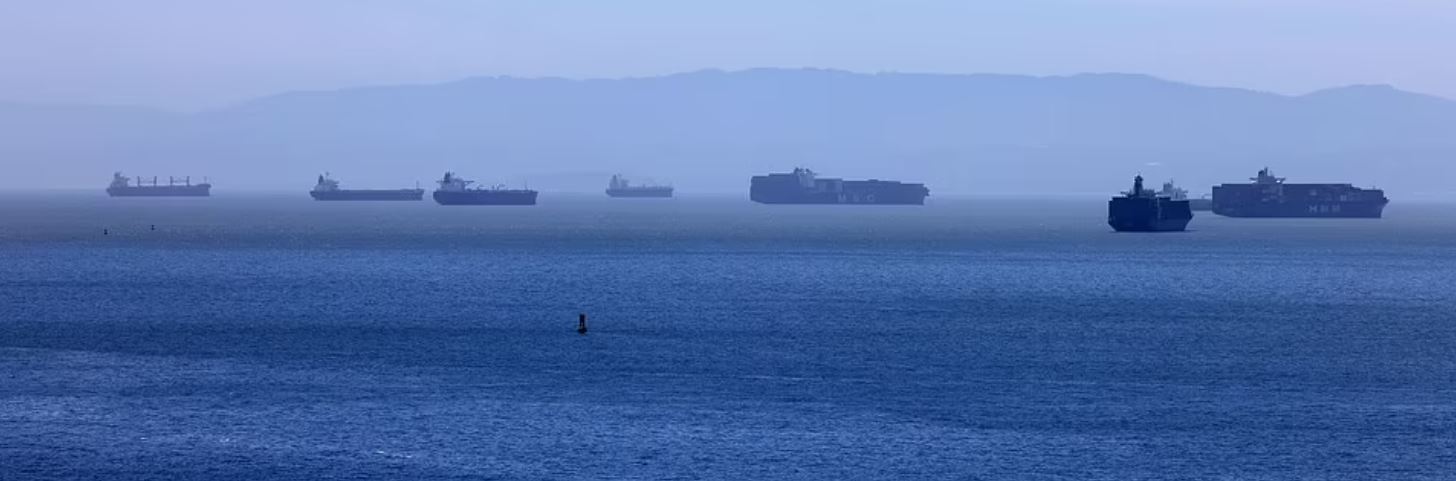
{"x":581,"y":324}
{"x":105,"y":232}
{"x":154,"y":226}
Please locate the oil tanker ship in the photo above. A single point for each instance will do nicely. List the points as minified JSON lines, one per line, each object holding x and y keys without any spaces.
{"x":1270,"y":196}
{"x":457,"y":191}
{"x":122,"y":186}
{"x":328,"y":189}
{"x":1141,"y":210}
{"x":620,"y":187}
{"x":802,"y":186}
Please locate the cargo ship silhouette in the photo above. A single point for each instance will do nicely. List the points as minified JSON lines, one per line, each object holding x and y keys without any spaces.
{"x":620,"y":187}
{"x":328,"y":189}
{"x":122,"y":186}
{"x":457,"y":191}
{"x":1270,"y":196}
{"x":1142,"y":210}
{"x":803,"y":186}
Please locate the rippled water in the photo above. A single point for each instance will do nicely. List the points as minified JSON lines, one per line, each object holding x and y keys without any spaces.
{"x":272,"y":337}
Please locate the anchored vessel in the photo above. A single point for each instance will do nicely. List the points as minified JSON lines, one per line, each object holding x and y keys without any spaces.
{"x":457,"y":191}
{"x":1270,"y":196}
{"x":328,"y":189}
{"x":122,"y":186}
{"x":620,"y":187}
{"x":1178,"y":193}
{"x":803,"y":187}
{"x":1140,"y":210}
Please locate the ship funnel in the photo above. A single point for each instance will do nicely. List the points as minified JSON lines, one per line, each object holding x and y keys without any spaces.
{"x":1137,"y":186}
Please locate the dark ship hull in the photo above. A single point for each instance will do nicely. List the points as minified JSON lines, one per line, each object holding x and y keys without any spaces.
{"x":367,"y":194}
{"x":658,"y":192}
{"x":486,"y":197}
{"x":874,"y":196}
{"x":1141,"y":210}
{"x":801,"y":187}
{"x":1148,"y":214}
{"x":199,"y":190}
{"x":1358,"y":210}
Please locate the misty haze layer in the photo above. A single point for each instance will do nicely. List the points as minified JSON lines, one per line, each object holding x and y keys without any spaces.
{"x":709,"y":131}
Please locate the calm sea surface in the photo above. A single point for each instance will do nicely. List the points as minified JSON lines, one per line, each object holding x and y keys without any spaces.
{"x":273,"y":337}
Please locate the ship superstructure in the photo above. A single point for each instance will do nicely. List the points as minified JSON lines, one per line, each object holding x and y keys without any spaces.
{"x":1142,"y":210}
{"x":803,"y":186}
{"x":1270,"y":196}
{"x":123,"y":186}
{"x":454,"y":190}
{"x":1178,"y":193}
{"x":328,"y":189}
{"x":620,"y":187}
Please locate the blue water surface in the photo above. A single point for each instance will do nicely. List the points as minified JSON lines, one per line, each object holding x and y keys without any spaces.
{"x":267,"y":336}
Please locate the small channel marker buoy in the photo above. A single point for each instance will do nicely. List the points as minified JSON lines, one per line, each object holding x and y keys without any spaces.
{"x":105,"y":232}
{"x":581,"y":324}
{"x":154,"y":226}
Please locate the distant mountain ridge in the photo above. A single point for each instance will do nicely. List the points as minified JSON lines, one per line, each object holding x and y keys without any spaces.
{"x":710,"y":130}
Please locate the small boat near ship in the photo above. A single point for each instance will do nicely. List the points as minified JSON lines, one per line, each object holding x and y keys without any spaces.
{"x":328,"y":189}
{"x":454,"y":190}
{"x":123,"y":186}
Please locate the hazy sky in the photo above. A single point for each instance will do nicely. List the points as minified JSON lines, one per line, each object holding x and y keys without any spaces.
{"x":190,"y":54}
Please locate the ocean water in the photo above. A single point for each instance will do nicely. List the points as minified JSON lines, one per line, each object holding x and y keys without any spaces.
{"x":272,"y":337}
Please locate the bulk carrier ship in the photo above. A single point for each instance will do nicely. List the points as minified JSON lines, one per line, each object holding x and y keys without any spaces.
{"x":1270,"y":196}
{"x":802,"y":186}
{"x":328,"y":189}
{"x":122,"y":186}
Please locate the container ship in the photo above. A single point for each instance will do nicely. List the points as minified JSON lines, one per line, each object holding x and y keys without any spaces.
{"x":1141,"y":210}
{"x":620,"y":187}
{"x":802,"y":187}
{"x":1178,"y":193}
{"x":328,"y":189}
{"x":457,"y":191}
{"x":1270,"y":196}
{"x":122,"y":186}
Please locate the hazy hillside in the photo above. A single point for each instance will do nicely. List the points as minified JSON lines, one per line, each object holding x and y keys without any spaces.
{"x":709,"y":131}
